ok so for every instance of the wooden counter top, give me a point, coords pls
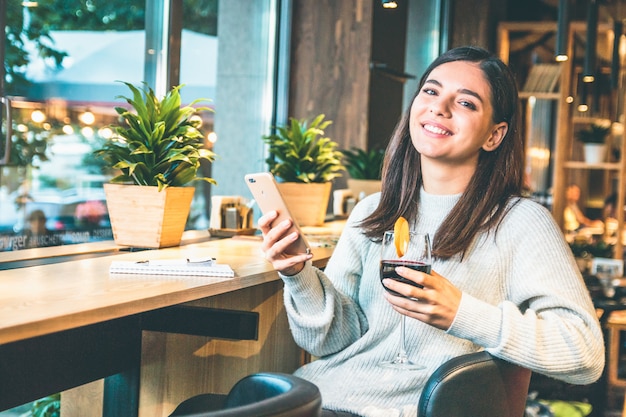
(87, 249)
(45, 299)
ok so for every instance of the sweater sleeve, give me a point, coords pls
(324, 314)
(547, 322)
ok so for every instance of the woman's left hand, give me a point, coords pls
(435, 304)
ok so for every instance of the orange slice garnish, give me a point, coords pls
(401, 236)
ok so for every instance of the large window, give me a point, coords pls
(64, 60)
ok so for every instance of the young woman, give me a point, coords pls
(503, 279)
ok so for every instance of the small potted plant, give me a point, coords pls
(594, 141)
(158, 151)
(49, 406)
(365, 169)
(305, 162)
(585, 251)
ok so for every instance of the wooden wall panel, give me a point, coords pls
(480, 28)
(330, 56)
(83, 401)
(389, 43)
(176, 367)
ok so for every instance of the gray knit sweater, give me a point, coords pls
(523, 300)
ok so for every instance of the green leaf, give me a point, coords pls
(49, 406)
(158, 144)
(299, 152)
(364, 165)
(596, 133)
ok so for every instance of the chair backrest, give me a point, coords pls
(475, 385)
(270, 394)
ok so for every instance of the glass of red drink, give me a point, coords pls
(416, 255)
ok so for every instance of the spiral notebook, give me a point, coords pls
(208, 268)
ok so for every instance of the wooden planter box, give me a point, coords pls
(308, 203)
(365, 187)
(145, 217)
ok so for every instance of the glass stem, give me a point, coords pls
(402, 356)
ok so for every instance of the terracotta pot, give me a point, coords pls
(145, 217)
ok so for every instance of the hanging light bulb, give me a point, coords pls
(560, 53)
(589, 67)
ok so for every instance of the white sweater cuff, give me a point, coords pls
(305, 291)
(477, 321)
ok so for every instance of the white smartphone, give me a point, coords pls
(265, 191)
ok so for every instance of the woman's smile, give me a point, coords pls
(436, 129)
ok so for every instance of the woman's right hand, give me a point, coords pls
(276, 243)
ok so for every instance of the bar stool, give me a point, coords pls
(475, 384)
(266, 394)
(615, 324)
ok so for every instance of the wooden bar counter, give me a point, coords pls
(155, 340)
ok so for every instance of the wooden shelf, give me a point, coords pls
(539, 95)
(587, 120)
(596, 180)
(584, 165)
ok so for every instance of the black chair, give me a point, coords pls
(475, 385)
(471, 385)
(266, 394)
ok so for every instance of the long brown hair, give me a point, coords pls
(498, 176)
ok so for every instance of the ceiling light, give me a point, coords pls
(560, 54)
(389, 4)
(589, 67)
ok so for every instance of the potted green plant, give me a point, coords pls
(158, 151)
(594, 141)
(305, 162)
(49, 406)
(584, 251)
(365, 169)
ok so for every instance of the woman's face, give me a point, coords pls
(451, 117)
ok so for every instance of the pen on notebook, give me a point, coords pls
(179, 262)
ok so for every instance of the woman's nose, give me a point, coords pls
(440, 107)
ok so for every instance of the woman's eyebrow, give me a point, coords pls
(460, 90)
(471, 93)
(431, 81)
